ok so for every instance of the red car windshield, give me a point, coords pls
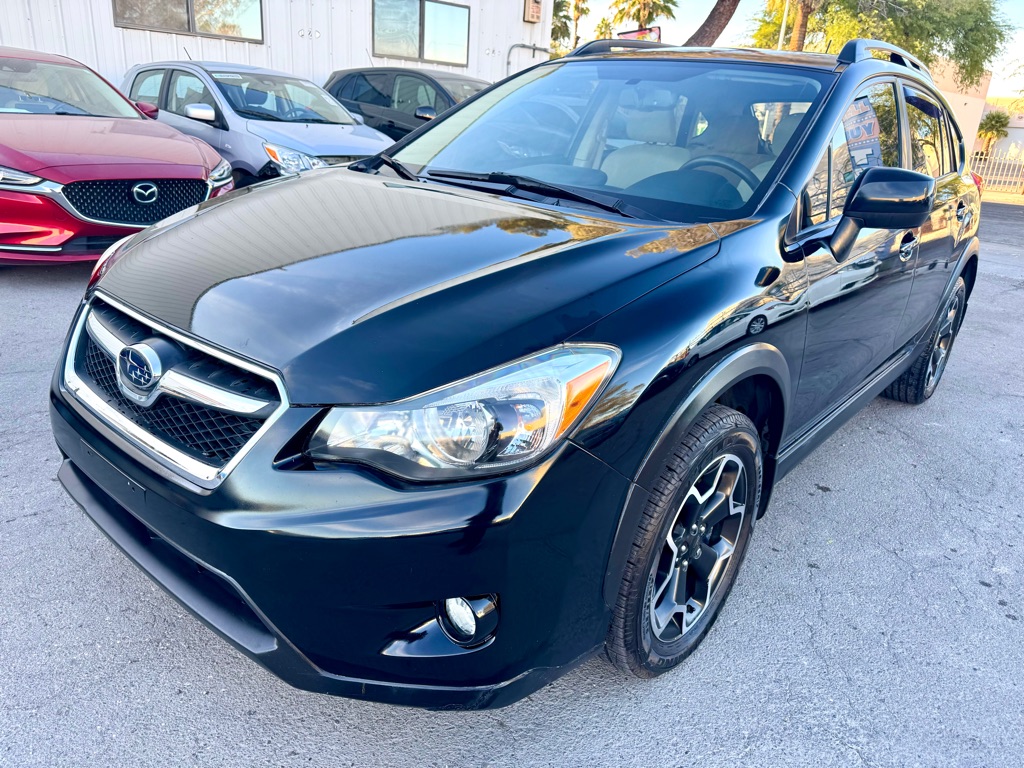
(46, 88)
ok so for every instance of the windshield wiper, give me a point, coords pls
(65, 113)
(259, 115)
(527, 184)
(394, 165)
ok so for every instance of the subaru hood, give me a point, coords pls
(363, 289)
(320, 138)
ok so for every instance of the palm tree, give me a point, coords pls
(603, 30)
(714, 24)
(642, 12)
(993, 127)
(560, 21)
(579, 10)
(804, 9)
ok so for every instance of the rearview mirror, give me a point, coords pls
(203, 112)
(425, 113)
(884, 198)
(149, 110)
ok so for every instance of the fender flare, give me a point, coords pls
(749, 361)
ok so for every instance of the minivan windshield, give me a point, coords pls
(47, 88)
(280, 99)
(680, 139)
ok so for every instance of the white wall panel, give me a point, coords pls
(309, 38)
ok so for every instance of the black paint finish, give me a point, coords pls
(364, 289)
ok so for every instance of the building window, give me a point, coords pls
(428, 30)
(239, 19)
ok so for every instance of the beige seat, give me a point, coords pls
(657, 152)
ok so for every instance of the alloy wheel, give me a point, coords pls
(697, 549)
(943, 341)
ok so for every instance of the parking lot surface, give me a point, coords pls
(878, 620)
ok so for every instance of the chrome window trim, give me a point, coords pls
(55, 192)
(149, 445)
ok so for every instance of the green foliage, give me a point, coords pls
(642, 12)
(603, 31)
(968, 33)
(561, 23)
(993, 127)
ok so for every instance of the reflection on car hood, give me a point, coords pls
(363, 289)
(320, 138)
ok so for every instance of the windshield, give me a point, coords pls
(461, 88)
(283, 99)
(44, 88)
(681, 139)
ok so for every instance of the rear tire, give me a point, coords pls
(919, 381)
(689, 545)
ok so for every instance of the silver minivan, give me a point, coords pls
(264, 123)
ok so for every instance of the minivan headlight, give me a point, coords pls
(493, 422)
(291, 160)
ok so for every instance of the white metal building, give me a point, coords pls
(309, 38)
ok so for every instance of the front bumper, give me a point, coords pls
(330, 579)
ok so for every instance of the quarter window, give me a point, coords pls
(147, 86)
(868, 136)
(241, 19)
(927, 142)
(421, 29)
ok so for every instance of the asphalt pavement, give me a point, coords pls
(878, 620)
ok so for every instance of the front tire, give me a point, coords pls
(689, 545)
(919, 381)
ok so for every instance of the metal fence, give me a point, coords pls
(1000, 171)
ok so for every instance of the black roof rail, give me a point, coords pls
(595, 47)
(861, 48)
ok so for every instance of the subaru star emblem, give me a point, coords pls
(145, 192)
(138, 368)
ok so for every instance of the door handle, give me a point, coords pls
(907, 247)
(961, 213)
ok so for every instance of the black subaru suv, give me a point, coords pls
(433, 428)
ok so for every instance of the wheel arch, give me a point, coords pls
(970, 273)
(754, 380)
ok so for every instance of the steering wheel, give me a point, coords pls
(297, 111)
(726, 163)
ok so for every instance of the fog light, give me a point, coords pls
(469, 621)
(461, 616)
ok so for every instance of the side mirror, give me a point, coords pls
(149, 110)
(884, 198)
(358, 118)
(425, 113)
(203, 112)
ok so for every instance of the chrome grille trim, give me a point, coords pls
(151, 447)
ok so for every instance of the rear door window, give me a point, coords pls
(925, 121)
(147, 85)
(372, 88)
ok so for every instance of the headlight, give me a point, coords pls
(489, 423)
(11, 176)
(291, 160)
(221, 174)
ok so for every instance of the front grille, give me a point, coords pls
(112, 200)
(202, 432)
(340, 159)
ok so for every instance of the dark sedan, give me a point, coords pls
(435, 428)
(397, 100)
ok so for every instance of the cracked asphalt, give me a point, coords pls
(878, 620)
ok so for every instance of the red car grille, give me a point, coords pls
(118, 200)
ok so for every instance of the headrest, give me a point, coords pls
(732, 135)
(784, 131)
(254, 97)
(654, 127)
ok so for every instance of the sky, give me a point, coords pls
(691, 13)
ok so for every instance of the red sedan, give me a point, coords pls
(82, 167)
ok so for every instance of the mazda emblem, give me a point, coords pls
(145, 192)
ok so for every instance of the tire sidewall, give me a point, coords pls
(653, 654)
